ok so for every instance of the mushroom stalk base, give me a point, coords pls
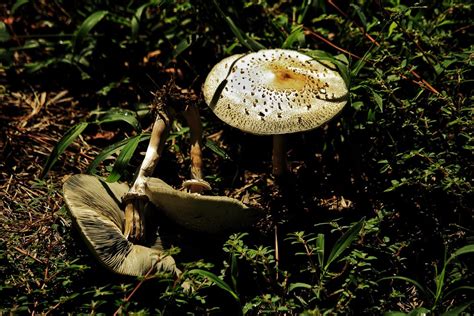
(280, 164)
(136, 198)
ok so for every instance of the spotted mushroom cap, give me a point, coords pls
(95, 208)
(274, 91)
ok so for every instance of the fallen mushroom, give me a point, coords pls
(203, 213)
(95, 208)
(135, 199)
(275, 92)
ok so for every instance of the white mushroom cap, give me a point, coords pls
(274, 91)
(95, 207)
(211, 214)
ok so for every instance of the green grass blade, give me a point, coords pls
(299, 285)
(358, 65)
(110, 150)
(234, 271)
(183, 45)
(344, 242)
(135, 22)
(296, 35)
(4, 34)
(86, 27)
(63, 143)
(459, 288)
(123, 159)
(425, 291)
(18, 4)
(457, 310)
(320, 249)
(340, 61)
(217, 281)
(243, 38)
(361, 15)
(114, 115)
(415, 312)
(461, 251)
(214, 147)
(304, 10)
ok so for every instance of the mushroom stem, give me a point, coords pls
(196, 184)
(159, 133)
(280, 164)
(135, 199)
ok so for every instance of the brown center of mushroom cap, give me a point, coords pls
(274, 92)
(287, 79)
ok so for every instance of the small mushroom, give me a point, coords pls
(275, 92)
(95, 208)
(203, 213)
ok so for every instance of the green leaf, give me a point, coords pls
(420, 311)
(459, 288)
(135, 23)
(344, 242)
(4, 34)
(304, 9)
(18, 4)
(427, 292)
(361, 15)
(86, 27)
(123, 159)
(457, 310)
(296, 35)
(298, 285)
(234, 271)
(217, 281)
(215, 148)
(182, 46)
(339, 61)
(320, 249)
(391, 28)
(116, 114)
(461, 251)
(378, 100)
(63, 143)
(357, 105)
(110, 150)
(358, 65)
(243, 38)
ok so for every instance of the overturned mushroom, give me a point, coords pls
(275, 92)
(211, 214)
(95, 208)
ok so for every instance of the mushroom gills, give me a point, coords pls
(96, 210)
